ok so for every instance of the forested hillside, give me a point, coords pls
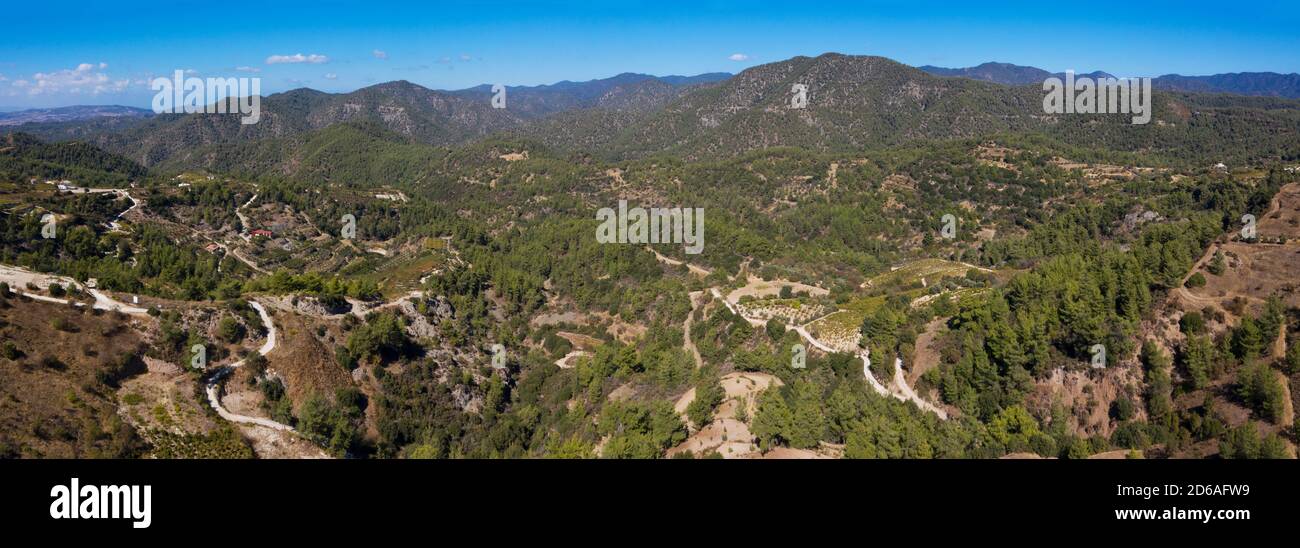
(910, 267)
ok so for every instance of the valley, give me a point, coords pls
(399, 272)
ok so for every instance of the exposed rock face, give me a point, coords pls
(312, 306)
(424, 326)
(1137, 218)
(155, 365)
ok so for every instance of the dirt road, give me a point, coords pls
(214, 398)
(901, 391)
(900, 383)
(18, 277)
(687, 343)
(696, 270)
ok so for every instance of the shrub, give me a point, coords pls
(1192, 323)
(230, 330)
(9, 351)
(256, 364)
(51, 362)
(64, 325)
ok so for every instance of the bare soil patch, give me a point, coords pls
(726, 435)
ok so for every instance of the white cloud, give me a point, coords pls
(738, 57)
(191, 72)
(465, 57)
(87, 78)
(297, 58)
(444, 60)
(331, 76)
(248, 69)
(379, 54)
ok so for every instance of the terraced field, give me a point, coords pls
(840, 329)
(914, 279)
(919, 274)
(791, 311)
(407, 270)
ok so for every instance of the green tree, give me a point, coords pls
(1197, 356)
(808, 419)
(572, 448)
(1216, 265)
(1258, 385)
(230, 330)
(382, 335)
(1159, 387)
(1292, 362)
(1241, 442)
(775, 329)
(773, 422)
(742, 409)
(708, 395)
(1192, 323)
(1248, 339)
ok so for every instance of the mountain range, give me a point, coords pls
(69, 114)
(1005, 73)
(627, 91)
(633, 92)
(1270, 84)
(853, 102)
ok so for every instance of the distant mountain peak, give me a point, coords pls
(623, 91)
(1270, 84)
(621, 78)
(71, 114)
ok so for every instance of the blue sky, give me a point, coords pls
(56, 53)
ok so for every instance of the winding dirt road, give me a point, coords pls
(114, 225)
(1183, 292)
(19, 277)
(900, 382)
(243, 221)
(213, 388)
(871, 379)
(901, 391)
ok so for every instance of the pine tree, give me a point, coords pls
(842, 408)
(808, 419)
(1156, 363)
(1247, 339)
(1259, 386)
(773, 422)
(1197, 355)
